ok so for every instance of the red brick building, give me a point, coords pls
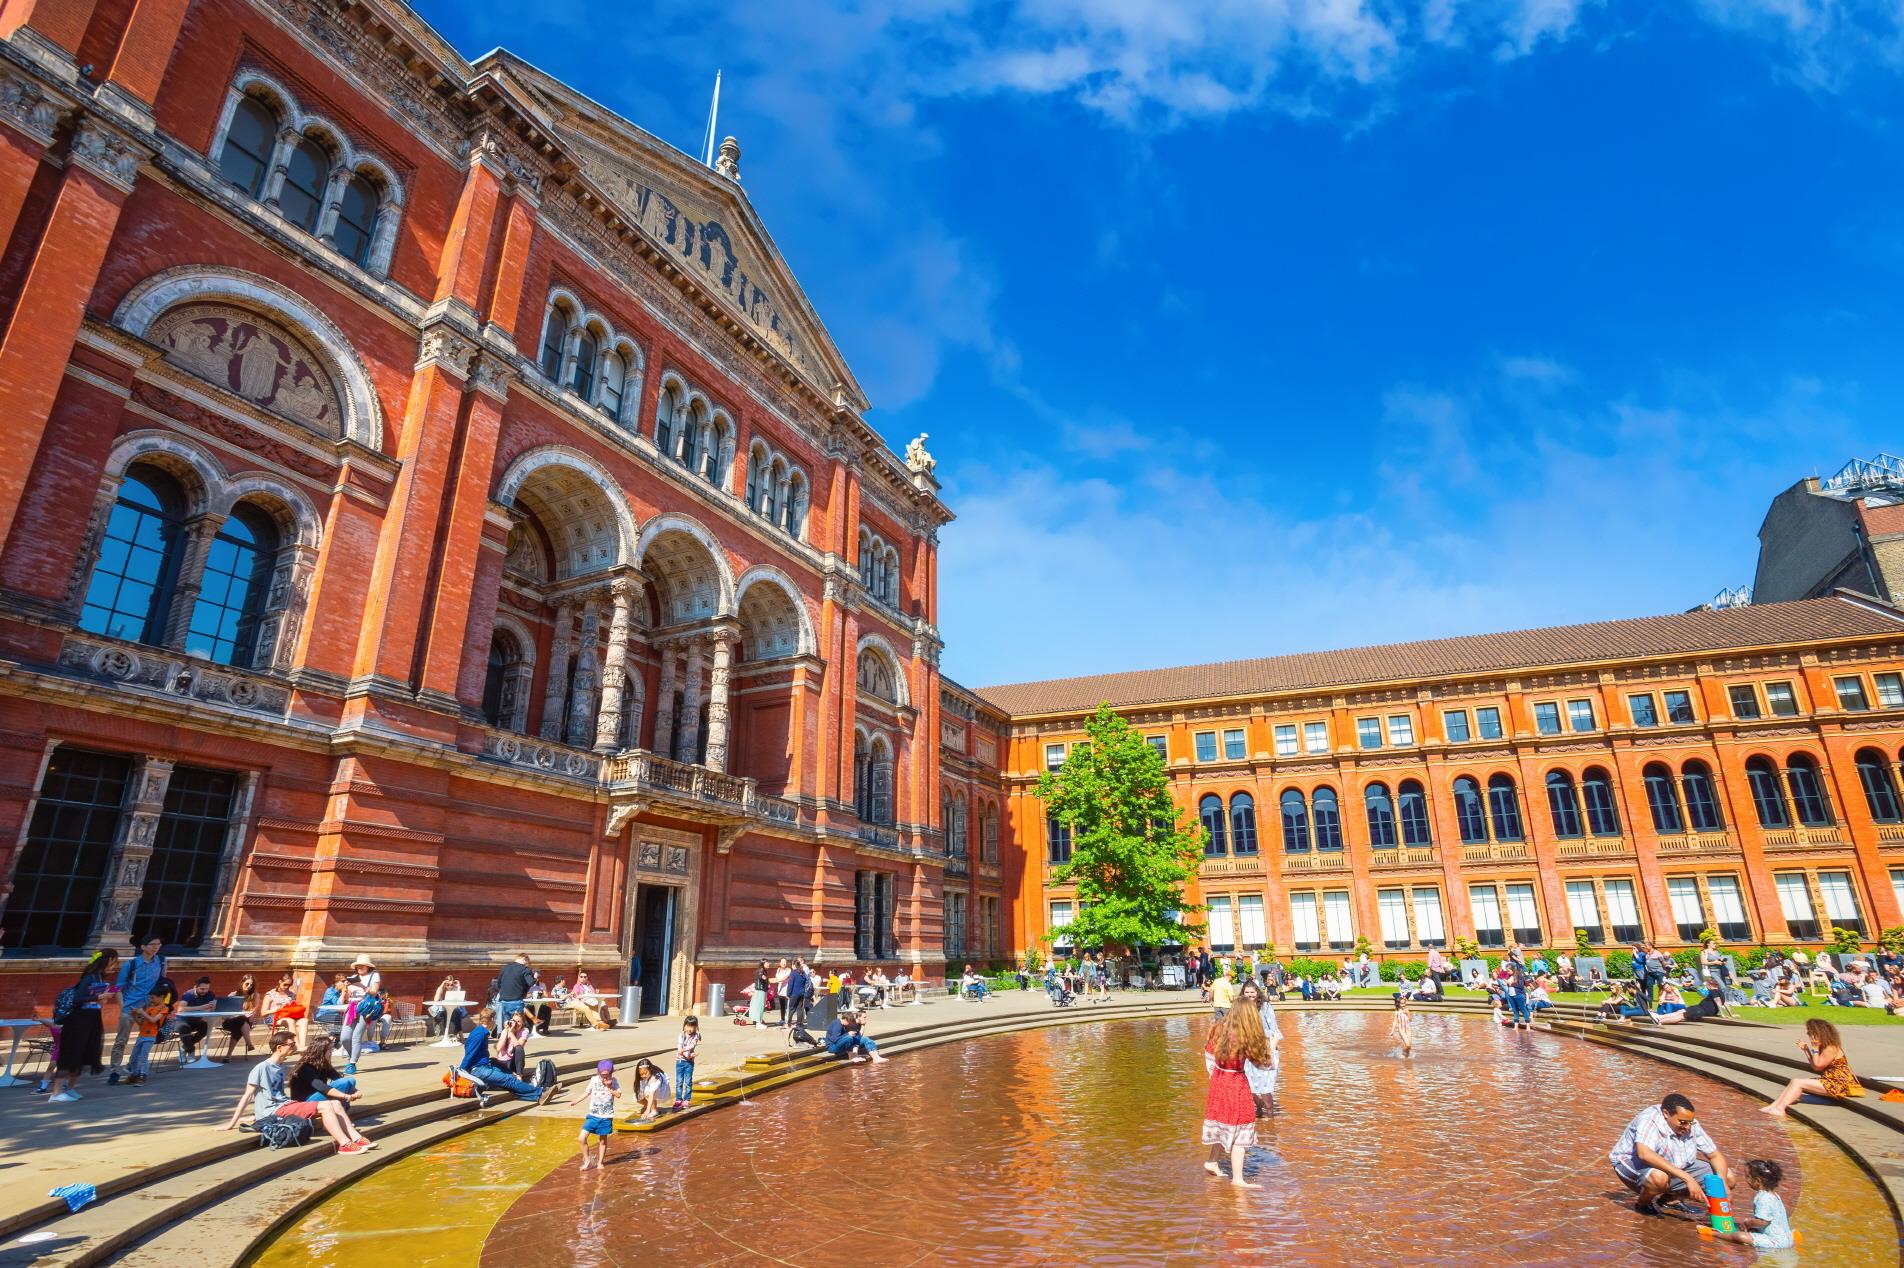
(435, 524)
(1736, 769)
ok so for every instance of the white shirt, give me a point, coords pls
(1650, 1128)
(1875, 995)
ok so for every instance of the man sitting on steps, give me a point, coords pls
(267, 1092)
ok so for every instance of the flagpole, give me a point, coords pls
(713, 118)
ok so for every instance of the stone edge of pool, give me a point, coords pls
(1871, 1135)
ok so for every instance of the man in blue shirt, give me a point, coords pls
(844, 1037)
(794, 995)
(137, 977)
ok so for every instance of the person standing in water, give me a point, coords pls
(1229, 1111)
(1401, 1028)
(1262, 1079)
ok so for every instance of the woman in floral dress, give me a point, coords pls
(1229, 1111)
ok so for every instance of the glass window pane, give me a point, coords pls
(1249, 919)
(1392, 904)
(1295, 815)
(1429, 929)
(301, 197)
(1522, 915)
(1596, 790)
(1233, 745)
(1745, 701)
(1851, 694)
(1580, 715)
(1563, 806)
(1304, 925)
(1486, 906)
(1414, 815)
(1381, 816)
(1286, 740)
(1678, 707)
(1206, 746)
(1505, 808)
(1315, 737)
(1054, 756)
(1781, 699)
(1338, 920)
(1643, 711)
(1243, 823)
(1890, 690)
(1623, 907)
(1454, 723)
(356, 220)
(1401, 730)
(1487, 721)
(1841, 899)
(63, 860)
(1328, 820)
(1210, 814)
(248, 144)
(1222, 928)
(1547, 718)
(1682, 893)
(1368, 732)
(1728, 907)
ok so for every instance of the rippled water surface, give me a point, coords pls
(1080, 1144)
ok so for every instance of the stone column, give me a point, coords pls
(131, 852)
(664, 707)
(688, 749)
(280, 166)
(587, 674)
(556, 683)
(615, 672)
(717, 702)
(198, 532)
(224, 892)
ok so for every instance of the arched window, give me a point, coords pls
(1295, 823)
(1808, 794)
(690, 443)
(1702, 799)
(1470, 811)
(1768, 793)
(1880, 790)
(587, 348)
(612, 378)
(1328, 819)
(555, 337)
(356, 220)
(756, 458)
(1413, 804)
(876, 676)
(1662, 798)
(1243, 823)
(130, 590)
(711, 460)
(1381, 816)
(505, 659)
(862, 779)
(1563, 804)
(1210, 811)
(1603, 815)
(664, 427)
(794, 522)
(248, 144)
(237, 578)
(988, 835)
(301, 197)
(1504, 805)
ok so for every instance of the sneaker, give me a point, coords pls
(350, 1067)
(63, 1097)
(135, 1080)
(548, 1094)
(354, 1147)
(112, 1078)
(371, 1047)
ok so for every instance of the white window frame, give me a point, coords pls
(1287, 745)
(1401, 730)
(1198, 741)
(1315, 737)
(1430, 928)
(1241, 737)
(1392, 906)
(1250, 929)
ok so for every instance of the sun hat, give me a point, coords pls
(362, 960)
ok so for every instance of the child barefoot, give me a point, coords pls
(600, 1092)
(684, 1061)
(1767, 1227)
(650, 1088)
(1402, 1028)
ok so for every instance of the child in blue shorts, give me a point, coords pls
(599, 1124)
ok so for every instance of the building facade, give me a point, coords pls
(1735, 769)
(434, 524)
(1843, 532)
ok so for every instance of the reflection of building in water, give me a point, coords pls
(1733, 769)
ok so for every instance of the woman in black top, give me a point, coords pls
(82, 1032)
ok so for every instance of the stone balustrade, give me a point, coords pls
(1828, 837)
(1393, 858)
(1683, 843)
(165, 672)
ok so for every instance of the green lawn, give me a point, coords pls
(1770, 1016)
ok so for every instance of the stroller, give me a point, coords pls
(1061, 996)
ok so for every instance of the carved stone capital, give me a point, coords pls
(107, 153)
(27, 106)
(502, 155)
(447, 349)
(492, 376)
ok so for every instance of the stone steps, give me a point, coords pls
(223, 1183)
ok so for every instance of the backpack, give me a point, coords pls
(369, 1008)
(545, 1073)
(282, 1132)
(801, 1035)
(458, 1085)
(65, 1004)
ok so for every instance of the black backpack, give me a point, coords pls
(545, 1073)
(282, 1132)
(801, 1035)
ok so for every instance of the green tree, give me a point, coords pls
(1132, 852)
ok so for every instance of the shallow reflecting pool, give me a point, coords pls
(1079, 1144)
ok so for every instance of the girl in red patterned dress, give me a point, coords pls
(1229, 1111)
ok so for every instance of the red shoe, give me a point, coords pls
(354, 1147)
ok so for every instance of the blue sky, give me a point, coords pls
(1251, 326)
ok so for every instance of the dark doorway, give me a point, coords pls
(654, 945)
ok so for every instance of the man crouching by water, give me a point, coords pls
(1665, 1153)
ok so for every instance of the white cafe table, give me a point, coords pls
(19, 1026)
(434, 1006)
(204, 1061)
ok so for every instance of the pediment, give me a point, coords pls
(700, 221)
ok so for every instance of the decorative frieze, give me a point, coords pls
(171, 673)
(536, 755)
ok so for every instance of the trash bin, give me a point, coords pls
(630, 1006)
(716, 998)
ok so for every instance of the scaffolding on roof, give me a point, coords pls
(1861, 476)
(1735, 597)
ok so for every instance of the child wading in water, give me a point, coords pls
(1767, 1227)
(599, 1123)
(1402, 1028)
(684, 1061)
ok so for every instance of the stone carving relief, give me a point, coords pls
(693, 238)
(171, 673)
(253, 358)
(918, 461)
(554, 759)
(524, 558)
